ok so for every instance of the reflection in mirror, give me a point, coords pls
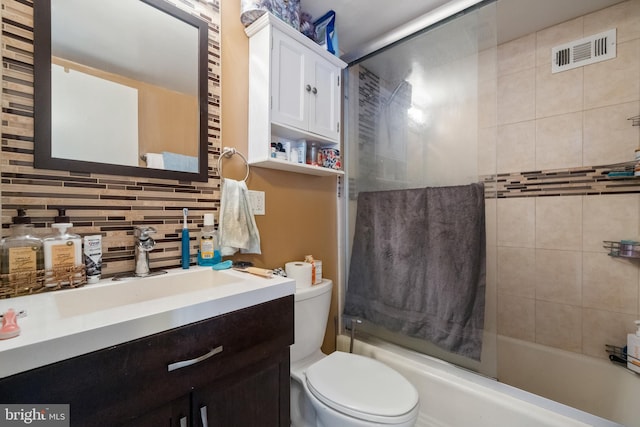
(120, 88)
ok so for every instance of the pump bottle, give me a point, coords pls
(62, 251)
(21, 251)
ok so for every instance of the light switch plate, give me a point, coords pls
(257, 202)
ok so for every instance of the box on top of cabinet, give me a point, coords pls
(286, 10)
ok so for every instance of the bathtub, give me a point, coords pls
(454, 397)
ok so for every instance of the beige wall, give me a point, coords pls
(300, 209)
(556, 286)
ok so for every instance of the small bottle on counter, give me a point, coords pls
(21, 251)
(62, 250)
(209, 252)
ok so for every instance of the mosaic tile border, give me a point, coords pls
(99, 204)
(580, 181)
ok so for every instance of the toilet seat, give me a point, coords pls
(362, 388)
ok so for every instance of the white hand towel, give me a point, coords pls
(155, 160)
(237, 226)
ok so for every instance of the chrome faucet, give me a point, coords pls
(144, 245)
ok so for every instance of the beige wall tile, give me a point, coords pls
(516, 96)
(487, 150)
(517, 55)
(559, 325)
(516, 271)
(491, 274)
(558, 276)
(516, 222)
(622, 16)
(487, 103)
(609, 283)
(516, 317)
(559, 223)
(490, 220)
(556, 35)
(515, 147)
(558, 93)
(609, 136)
(609, 217)
(559, 141)
(604, 327)
(614, 81)
(488, 64)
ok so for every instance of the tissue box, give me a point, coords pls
(287, 10)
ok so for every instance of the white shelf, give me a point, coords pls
(296, 167)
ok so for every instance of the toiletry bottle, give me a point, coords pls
(209, 254)
(312, 154)
(21, 251)
(633, 349)
(62, 252)
(93, 257)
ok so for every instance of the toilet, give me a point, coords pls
(341, 389)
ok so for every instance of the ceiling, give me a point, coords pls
(359, 22)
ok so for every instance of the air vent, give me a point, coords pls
(589, 50)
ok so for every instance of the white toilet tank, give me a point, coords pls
(311, 313)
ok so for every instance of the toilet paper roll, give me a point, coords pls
(299, 271)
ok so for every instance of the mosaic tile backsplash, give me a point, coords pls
(99, 204)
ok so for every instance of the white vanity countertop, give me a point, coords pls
(63, 324)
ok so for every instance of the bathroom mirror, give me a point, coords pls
(120, 88)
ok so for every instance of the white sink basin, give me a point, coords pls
(90, 299)
(64, 324)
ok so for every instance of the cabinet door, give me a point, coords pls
(172, 414)
(324, 100)
(257, 396)
(289, 95)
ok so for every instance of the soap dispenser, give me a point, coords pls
(62, 251)
(21, 251)
(633, 349)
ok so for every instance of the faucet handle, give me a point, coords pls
(143, 233)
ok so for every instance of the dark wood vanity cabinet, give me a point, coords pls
(244, 382)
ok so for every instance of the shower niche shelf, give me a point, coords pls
(619, 356)
(623, 249)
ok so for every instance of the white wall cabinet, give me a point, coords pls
(294, 93)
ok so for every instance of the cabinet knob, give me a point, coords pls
(314, 90)
(308, 88)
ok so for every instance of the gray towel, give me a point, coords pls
(418, 265)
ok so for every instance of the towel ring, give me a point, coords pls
(228, 152)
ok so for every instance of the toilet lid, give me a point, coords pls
(361, 387)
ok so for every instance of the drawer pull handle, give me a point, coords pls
(203, 416)
(185, 363)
